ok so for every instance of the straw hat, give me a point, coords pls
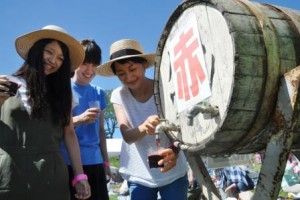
(76, 51)
(122, 49)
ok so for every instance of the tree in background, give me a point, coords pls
(110, 121)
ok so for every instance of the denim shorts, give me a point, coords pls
(178, 189)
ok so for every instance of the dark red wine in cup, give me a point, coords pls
(153, 161)
(13, 87)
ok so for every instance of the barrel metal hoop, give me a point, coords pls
(294, 23)
(291, 16)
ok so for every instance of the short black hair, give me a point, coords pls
(126, 60)
(92, 52)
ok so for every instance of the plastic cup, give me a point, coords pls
(153, 161)
(154, 157)
(13, 87)
(94, 104)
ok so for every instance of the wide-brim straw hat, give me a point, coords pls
(121, 49)
(76, 51)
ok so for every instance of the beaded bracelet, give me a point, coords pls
(78, 178)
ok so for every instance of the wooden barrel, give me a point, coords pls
(224, 56)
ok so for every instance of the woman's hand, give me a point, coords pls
(87, 117)
(90, 115)
(83, 190)
(3, 88)
(149, 124)
(169, 159)
(108, 173)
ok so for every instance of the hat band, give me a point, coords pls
(124, 52)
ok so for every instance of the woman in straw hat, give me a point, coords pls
(137, 117)
(35, 120)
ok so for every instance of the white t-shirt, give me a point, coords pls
(133, 158)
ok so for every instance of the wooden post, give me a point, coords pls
(207, 187)
(278, 148)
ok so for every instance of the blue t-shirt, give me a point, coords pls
(87, 134)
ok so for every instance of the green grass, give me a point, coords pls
(113, 197)
(114, 161)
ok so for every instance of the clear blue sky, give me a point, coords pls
(104, 21)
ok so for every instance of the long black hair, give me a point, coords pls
(47, 92)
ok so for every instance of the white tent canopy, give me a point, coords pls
(114, 146)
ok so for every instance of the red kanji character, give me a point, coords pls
(196, 72)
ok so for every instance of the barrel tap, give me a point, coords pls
(162, 127)
(200, 108)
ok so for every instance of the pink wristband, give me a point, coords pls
(78, 178)
(107, 164)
